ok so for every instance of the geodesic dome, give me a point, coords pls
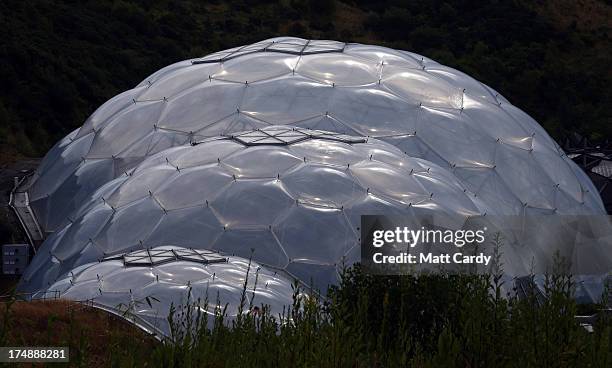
(290, 198)
(427, 110)
(142, 286)
(278, 147)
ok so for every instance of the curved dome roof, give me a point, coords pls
(427, 110)
(294, 204)
(143, 285)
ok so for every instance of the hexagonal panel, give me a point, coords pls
(251, 203)
(315, 235)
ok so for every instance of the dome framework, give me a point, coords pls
(425, 109)
(274, 150)
(293, 206)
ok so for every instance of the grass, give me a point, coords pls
(366, 321)
(95, 338)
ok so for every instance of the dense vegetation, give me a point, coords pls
(59, 60)
(395, 321)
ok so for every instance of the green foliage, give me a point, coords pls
(59, 60)
(369, 321)
(398, 321)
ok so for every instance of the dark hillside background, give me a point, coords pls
(59, 60)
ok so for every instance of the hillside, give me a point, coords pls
(59, 60)
(95, 338)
